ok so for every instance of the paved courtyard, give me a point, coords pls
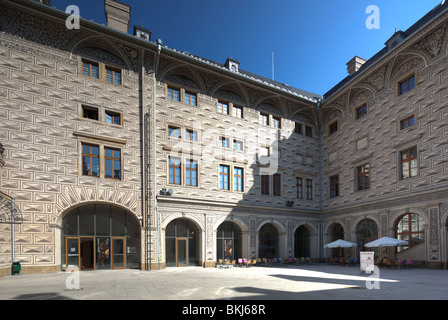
(308, 282)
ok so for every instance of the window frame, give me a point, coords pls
(408, 160)
(236, 114)
(365, 172)
(309, 131)
(221, 105)
(238, 179)
(102, 146)
(309, 189)
(223, 175)
(361, 111)
(173, 128)
(407, 119)
(90, 63)
(221, 143)
(113, 159)
(173, 165)
(333, 127)
(334, 186)
(262, 117)
(277, 184)
(407, 81)
(113, 114)
(265, 184)
(299, 187)
(409, 231)
(276, 122)
(188, 95)
(114, 71)
(191, 170)
(172, 93)
(298, 128)
(90, 156)
(85, 107)
(191, 135)
(237, 142)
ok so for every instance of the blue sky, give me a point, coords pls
(312, 40)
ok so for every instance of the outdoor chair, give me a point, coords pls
(228, 263)
(308, 260)
(240, 262)
(220, 263)
(245, 262)
(408, 263)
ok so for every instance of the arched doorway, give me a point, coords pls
(228, 241)
(268, 242)
(100, 236)
(366, 231)
(336, 232)
(302, 242)
(182, 243)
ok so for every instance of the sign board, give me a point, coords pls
(366, 259)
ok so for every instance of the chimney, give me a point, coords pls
(355, 64)
(118, 15)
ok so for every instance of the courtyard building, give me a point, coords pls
(119, 152)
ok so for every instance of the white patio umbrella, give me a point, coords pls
(386, 242)
(340, 244)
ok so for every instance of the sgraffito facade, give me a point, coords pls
(123, 153)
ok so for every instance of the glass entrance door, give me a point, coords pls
(182, 252)
(87, 253)
(80, 253)
(118, 253)
(72, 253)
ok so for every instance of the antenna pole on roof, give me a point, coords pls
(272, 65)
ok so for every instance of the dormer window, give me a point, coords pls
(232, 64)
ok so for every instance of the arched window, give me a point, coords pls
(410, 228)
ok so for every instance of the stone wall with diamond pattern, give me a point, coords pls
(41, 128)
(377, 139)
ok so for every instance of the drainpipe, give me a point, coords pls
(321, 235)
(12, 230)
(154, 115)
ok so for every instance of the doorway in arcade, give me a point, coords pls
(100, 236)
